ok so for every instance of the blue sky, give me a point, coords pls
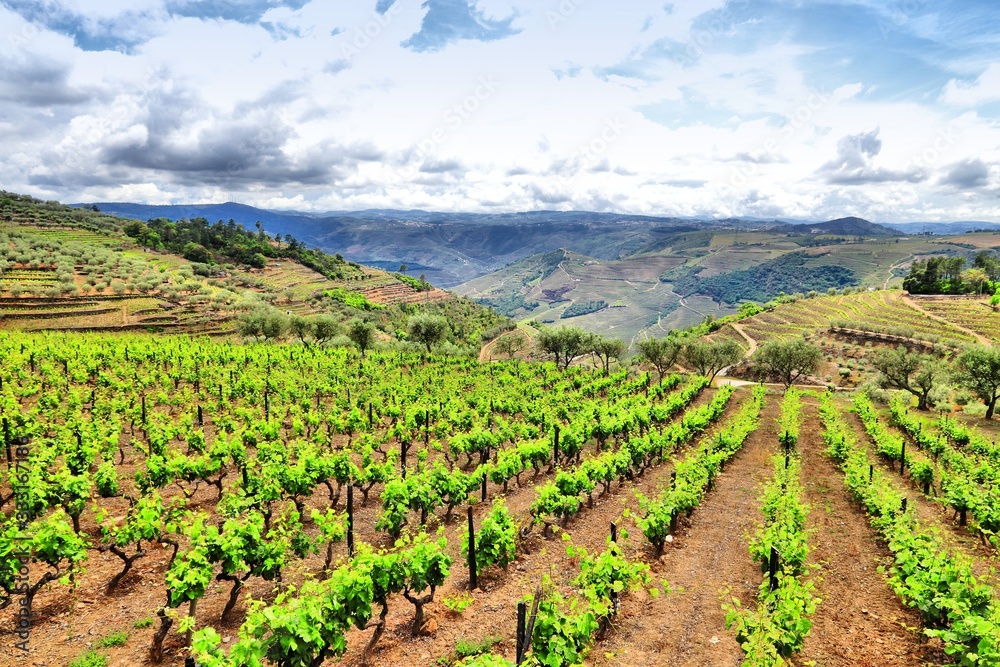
(886, 110)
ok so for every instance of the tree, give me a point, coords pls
(564, 343)
(361, 333)
(250, 325)
(661, 352)
(301, 328)
(710, 357)
(989, 263)
(909, 371)
(605, 350)
(196, 252)
(510, 344)
(976, 278)
(325, 327)
(978, 370)
(274, 325)
(788, 359)
(427, 329)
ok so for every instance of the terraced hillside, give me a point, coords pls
(68, 268)
(880, 311)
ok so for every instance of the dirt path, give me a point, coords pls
(860, 621)
(982, 340)
(750, 340)
(687, 626)
(493, 613)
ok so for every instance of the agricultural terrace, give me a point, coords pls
(974, 314)
(56, 277)
(880, 311)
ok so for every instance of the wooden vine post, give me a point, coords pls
(772, 569)
(473, 583)
(555, 445)
(519, 651)
(350, 520)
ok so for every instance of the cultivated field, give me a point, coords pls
(173, 485)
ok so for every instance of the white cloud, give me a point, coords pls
(353, 119)
(986, 88)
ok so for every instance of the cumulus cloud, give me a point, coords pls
(854, 164)
(38, 81)
(985, 88)
(967, 175)
(432, 166)
(121, 27)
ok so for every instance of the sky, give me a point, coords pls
(774, 108)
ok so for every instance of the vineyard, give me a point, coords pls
(880, 311)
(288, 505)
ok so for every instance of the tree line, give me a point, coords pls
(948, 275)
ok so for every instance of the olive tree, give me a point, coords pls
(564, 343)
(661, 352)
(427, 329)
(978, 370)
(788, 360)
(605, 350)
(361, 333)
(910, 371)
(709, 357)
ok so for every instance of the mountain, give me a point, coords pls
(448, 248)
(943, 228)
(849, 226)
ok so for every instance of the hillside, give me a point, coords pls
(450, 248)
(71, 268)
(692, 272)
(849, 226)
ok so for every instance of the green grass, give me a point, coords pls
(90, 659)
(114, 639)
(143, 623)
(468, 647)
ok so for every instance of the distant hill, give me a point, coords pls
(849, 226)
(943, 228)
(449, 248)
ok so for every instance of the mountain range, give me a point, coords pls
(453, 248)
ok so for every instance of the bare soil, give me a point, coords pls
(860, 621)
